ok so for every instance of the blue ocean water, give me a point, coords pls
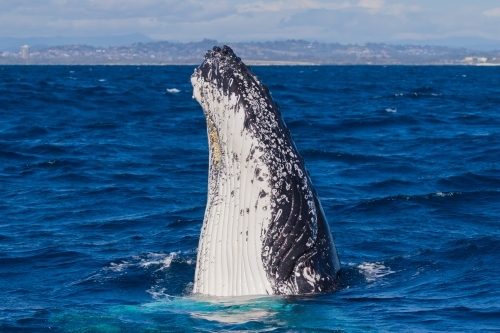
(103, 176)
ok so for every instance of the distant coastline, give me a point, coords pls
(253, 63)
(249, 63)
(278, 53)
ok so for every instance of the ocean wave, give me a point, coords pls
(462, 254)
(377, 122)
(391, 183)
(374, 271)
(466, 248)
(149, 273)
(10, 155)
(435, 198)
(103, 190)
(44, 149)
(73, 176)
(24, 132)
(115, 222)
(46, 257)
(102, 125)
(159, 261)
(425, 89)
(98, 90)
(473, 181)
(412, 95)
(345, 157)
(137, 177)
(278, 87)
(52, 164)
(46, 164)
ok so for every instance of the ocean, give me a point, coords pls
(103, 184)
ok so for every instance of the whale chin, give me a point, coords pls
(264, 231)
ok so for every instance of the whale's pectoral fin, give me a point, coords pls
(317, 269)
(289, 238)
(326, 246)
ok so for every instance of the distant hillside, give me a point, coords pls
(278, 52)
(13, 44)
(472, 43)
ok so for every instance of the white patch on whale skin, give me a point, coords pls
(229, 254)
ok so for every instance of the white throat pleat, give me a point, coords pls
(229, 254)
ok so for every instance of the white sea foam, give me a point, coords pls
(161, 259)
(173, 90)
(441, 194)
(233, 310)
(155, 264)
(391, 110)
(374, 271)
(158, 293)
(118, 267)
(234, 317)
(102, 80)
(238, 310)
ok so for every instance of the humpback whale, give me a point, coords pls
(264, 230)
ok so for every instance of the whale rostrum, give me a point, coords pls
(264, 230)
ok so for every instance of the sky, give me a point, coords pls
(355, 21)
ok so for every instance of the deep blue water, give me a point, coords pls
(103, 176)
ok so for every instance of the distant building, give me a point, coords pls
(25, 52)
(471, 60)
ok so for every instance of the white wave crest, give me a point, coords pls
(173, 90)
(157, 292)
(161, 259)
(445, 194)
(114, 267)
(374, 271)
(154, 265)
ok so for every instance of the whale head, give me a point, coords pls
(222, 73)
(264, 231)
(224, 86)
